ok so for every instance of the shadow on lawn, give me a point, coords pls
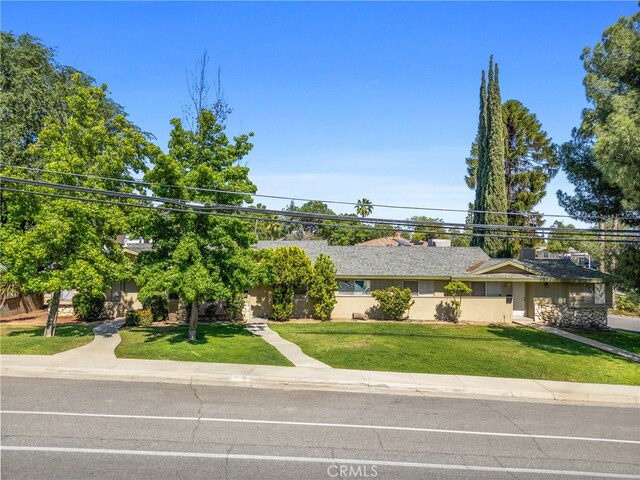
(61, 331)
(546, 342)
(179, 334)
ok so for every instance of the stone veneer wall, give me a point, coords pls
(571, 317)
(114, 310)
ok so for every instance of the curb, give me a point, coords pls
(362, 382)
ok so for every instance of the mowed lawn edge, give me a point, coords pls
(492, 351)
(30, 340)
(629, 341)
(216, 343)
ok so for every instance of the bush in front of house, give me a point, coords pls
(158, 303)
(322, 291)
(286, 269)
(394, 302)
(234, 306)
(139, 318)
(88, 306)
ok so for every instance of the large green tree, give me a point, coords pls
(530, 162)
(200, 257)
(34, 87)
(491, 198)
(612, 84)
(49, 244)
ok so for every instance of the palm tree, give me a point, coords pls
(364, 207)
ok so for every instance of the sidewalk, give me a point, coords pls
(97, 361)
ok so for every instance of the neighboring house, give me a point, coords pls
(582, 259)
(553, 291)
(398, 241)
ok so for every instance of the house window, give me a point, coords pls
(354, 287)
(478, 289)
(411, 285)
(589, 293)
(426, 288)
(494, 289)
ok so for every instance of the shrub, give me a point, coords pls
(287, 269)
(88, 306)
(457, 289)
(139, 318)
(394, 302)
(628, 303)
(234, 307)
(158, 303)
(282, 303)
(131, 318)
(323, 287)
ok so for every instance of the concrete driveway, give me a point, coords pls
(624, 323)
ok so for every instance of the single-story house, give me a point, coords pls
(554, 291)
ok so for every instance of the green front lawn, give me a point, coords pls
(29, 340)
(626, 340)
(461, 350)
(218, 343)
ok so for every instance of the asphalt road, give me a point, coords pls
(73, 429)
(625, 323)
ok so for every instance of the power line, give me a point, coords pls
(296, 222)
(336, 202)
(319, 216)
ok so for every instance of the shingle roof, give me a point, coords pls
(463, 262)
(138, 247)
(562, 268)
(359, 261)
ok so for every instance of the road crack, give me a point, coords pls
(201, 405)
(535, 441)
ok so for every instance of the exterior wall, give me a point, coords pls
(570, 317)
(122, 296)
(474, 309)
(567, 305)
(22, 304)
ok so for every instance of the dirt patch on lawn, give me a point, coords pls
(39, 318)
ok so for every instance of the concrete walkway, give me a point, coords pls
(103, 345)
(290, 350)
(587, 341)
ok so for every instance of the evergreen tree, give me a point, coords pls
(530, 163)
(491, 193)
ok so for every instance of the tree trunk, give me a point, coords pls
(193, 321)
(50, 329)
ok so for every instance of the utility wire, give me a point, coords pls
(336, 202)
(319, 216)
(296, 222)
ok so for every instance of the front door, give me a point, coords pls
(518, 299)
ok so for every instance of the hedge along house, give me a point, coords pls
(552, 291)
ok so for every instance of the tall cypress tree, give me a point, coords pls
(481, 141)
(491, 194)
(495, 195)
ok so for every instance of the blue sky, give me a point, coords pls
(346, 100)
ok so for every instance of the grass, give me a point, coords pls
(492, 351)
(219, 343)
(629, 341)
(29, 340)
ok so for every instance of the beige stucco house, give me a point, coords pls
(554, 291)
